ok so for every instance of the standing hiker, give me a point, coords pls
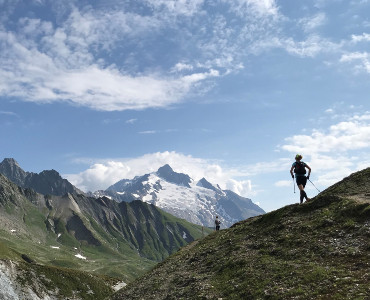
(217, 223)
(299, 168)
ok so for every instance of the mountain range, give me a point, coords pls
(64, 228)
(197, 202)
(72, 246)
(48, 182)
(176, 193)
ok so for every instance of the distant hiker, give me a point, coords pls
(299, 168)
(217, 223)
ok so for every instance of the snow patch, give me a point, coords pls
(148, 198)
(119, 286)
(184, 236)
(80, 256)
(54, 247)
(13, 230)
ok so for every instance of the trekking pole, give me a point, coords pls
(293, 186)
(314, 185)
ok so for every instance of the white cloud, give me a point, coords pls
(100, 175)
(353, 134)
(37, 77)
(335, 152)
(311, 23)
(42, 64)
(311, 46)
(261, 7)
(86, 59)
(242, 187)
(182, 66)
(148, 132)
(9, 113)
(177, 7)
(362, 57)
(361, 38)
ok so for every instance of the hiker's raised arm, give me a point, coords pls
(309, 171)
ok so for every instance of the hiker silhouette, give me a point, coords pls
(217, 223)
(299, 168)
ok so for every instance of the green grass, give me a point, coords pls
(65, 283)
(319, 250)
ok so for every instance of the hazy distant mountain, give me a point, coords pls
(47, 182)
(198, 202)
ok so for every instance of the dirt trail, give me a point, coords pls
(361, 198)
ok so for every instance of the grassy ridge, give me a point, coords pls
(318, 250)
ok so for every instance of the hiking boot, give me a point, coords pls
(308, 199)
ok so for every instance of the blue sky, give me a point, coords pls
(227, 90)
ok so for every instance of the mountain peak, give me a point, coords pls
(10, 162)
(165, 169)
(46, 182)
(11, 169)
(168, 174)
(206, 184)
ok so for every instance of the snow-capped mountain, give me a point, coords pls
(198, 202)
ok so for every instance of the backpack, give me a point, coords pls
(299, 168)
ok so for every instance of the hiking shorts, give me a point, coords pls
(301, 180)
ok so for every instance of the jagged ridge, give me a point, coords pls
(48, 182)
(135, 235)
(179, 195)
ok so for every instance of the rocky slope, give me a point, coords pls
(95, 235)
(317, 250)
(197, 202)
(48, 182)
(28, 281)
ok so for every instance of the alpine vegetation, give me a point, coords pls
(315, 250)
(73, 246)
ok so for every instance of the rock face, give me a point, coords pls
(136, 234)
(47, 182)
(11, 169)
(317, 250)
(169, 175)
(197, 202)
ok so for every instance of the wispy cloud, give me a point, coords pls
(148, 132)
(360, 59)
(9, 113)
(110, 59)
(46, 64)
(312, 23)
(158, 131)
(131, 121)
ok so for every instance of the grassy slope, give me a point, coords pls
(61, 282)
(318, 250)
(116, 255)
